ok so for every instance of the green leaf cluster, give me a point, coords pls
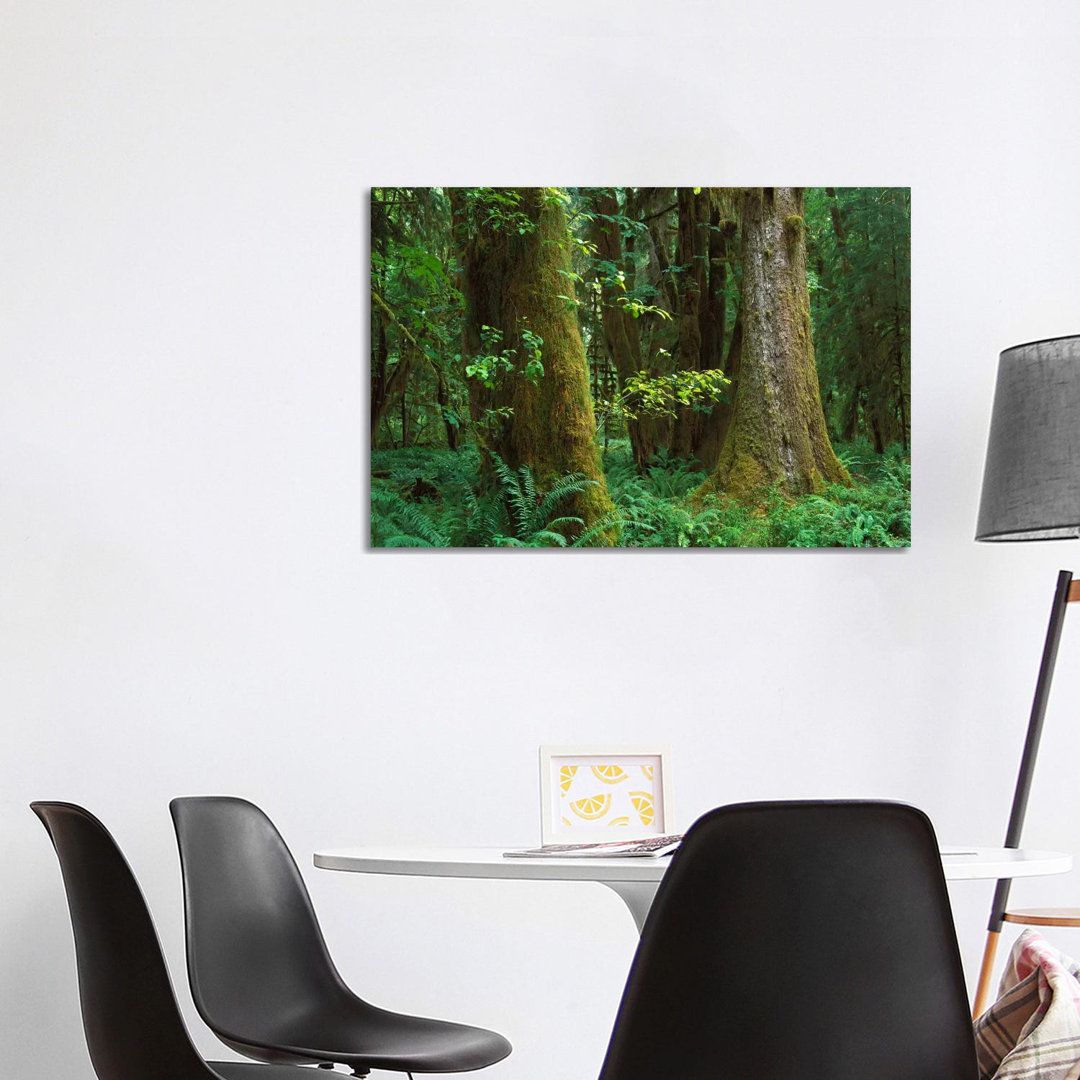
(489, 366)
(650, 395)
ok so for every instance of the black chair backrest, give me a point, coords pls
(255, 951)
(798, 941)
(132, 1022)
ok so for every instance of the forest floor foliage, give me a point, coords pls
(423, 497)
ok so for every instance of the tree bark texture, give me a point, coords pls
(512, 280)
(379, 361)
(714, 305)
(716, 424)
(387, 383)
(620, 330)
(692, 255)
(713, 425)
(838, 229)
(442, 398)
(777, 434)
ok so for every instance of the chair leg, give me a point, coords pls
(982, 992)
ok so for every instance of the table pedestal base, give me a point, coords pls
(637, 896)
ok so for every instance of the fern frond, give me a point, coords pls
(522, 510)
(563, 489)
(564, 522)
(504, 474)
(608, 521)
(408, 521)
(511, 493)
(528, 498)
(546, 538)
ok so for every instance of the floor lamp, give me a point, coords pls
(1031, 491)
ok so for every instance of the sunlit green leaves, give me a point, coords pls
(492, 364)
(649, 395)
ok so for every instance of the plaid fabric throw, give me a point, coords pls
(1032, 1031)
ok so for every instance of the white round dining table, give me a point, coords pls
(636, 879)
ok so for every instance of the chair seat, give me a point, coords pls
(364, 1037)
(245, 1070)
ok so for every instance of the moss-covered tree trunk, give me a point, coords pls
(621, 332)
(516, 260)
(714, 423)
(692, 257)
(660, 336)
(777, 433)
(718, 421)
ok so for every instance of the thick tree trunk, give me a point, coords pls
(513, 276)
(620, 330)
(718, 421)
(692, 256)
(380, 355)
(652, 207)
(777, 433)
(442, 398)
(714, 306)
(387, 383)
(849, 428)
(838, 229)
(404, 417)
(713, 425)
(656, 206)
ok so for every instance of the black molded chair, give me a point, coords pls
(133, 1026)
(260, 972)
(798, 941)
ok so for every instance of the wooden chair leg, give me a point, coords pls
(982, 992)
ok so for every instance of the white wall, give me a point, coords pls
(187, 605)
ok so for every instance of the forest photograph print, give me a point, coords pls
(640, 367)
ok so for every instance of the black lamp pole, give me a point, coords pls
(1023, 780)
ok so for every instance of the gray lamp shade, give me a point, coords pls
(1031, 485)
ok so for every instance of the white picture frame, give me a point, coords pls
(590, 794)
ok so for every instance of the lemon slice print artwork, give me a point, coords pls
(609, 774)
(566, 777)
(592, 808)
(643, 804)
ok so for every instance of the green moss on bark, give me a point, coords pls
(512, 282)
(777, 435)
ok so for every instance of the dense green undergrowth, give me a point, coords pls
(434, 498)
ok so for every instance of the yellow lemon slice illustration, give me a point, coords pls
(619, 821)
(609, 774)
(646, 771)
(643, 804)
(566, 777)
(591, 808)
(567, 821)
